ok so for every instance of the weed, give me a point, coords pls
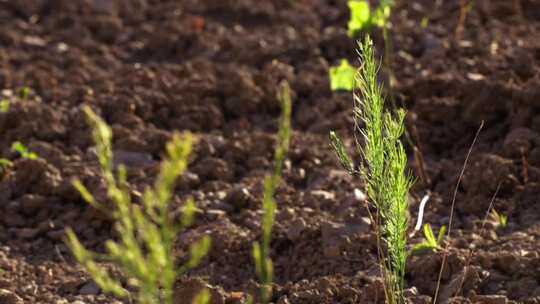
(499, 218)
(4, 106)
(18, 147)
(146, 233)
(342, 76)
(430, 242)
(383, 168)
(261, 251)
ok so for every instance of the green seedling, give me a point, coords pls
(261, 250)
(383, 168)
(430, 242)
(18, 147)
(342, 76)
(146, 232)
(202, 298)
(24, 93)
(362, 17)
(5, 163)
(499, 218)
(4, 106)
(424, 23)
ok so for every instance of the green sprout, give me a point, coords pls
(24, 93)
(363, 18)
(4, 162)
(4, 106)
(342, 76)
(430, 242)
(18, 147)
(383, 169)
(4, 165)
(261, 250)
(202, 298)
(146, 232)
(424, 23)
(499, 218)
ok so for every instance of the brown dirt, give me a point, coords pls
(212, 67)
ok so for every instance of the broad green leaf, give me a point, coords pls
(360, 17)
(342, 76)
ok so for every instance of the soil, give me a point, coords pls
(212, 67)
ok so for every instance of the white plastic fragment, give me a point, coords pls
(425, 199)
(359, 195)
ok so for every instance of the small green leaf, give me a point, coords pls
(4, 106)
(5, 163)
(381, 15)
(500, 218)
(442, 231)
(197, 251)
(424, 22)
(428, 234)
(18, 147)
(360, 17)
(202, 297)
(24, 92)
(342, 76)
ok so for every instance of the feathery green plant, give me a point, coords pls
(499, 218)
(146, 233)
(342, 76)
(18, 147)
(430, 242)
(383, 168)
(261, 250)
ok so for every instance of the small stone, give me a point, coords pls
(215, 213)
(8, 297)
(325, 195)
(490, 299)
(410, 292)
(89, 288)
(332, 252)
(31, 203)
(186, 291)
(294, 232)
(132, 159)
(69, 287)
(56, 235)
(239, 197)
(283, 300)
(26, 233)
